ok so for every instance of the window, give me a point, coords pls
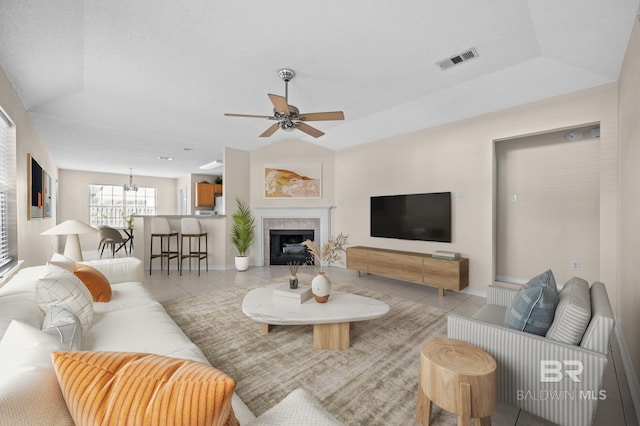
(5, 124)
(111, 205)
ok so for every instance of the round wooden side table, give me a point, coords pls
(458, 377)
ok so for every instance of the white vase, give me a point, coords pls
(242, 263)
(321, 288)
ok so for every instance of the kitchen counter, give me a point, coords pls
(214, 226)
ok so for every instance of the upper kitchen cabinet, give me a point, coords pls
(206, 192)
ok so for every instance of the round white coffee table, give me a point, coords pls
(331, 321)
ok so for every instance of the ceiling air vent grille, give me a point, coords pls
(458, 59)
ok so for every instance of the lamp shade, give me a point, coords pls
(71, 228)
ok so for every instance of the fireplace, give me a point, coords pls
(287, 218)
(285, 245)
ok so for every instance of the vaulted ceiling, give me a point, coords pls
(118, 84)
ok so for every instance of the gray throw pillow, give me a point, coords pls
(534, 306)
(545, 279)
(60, 323)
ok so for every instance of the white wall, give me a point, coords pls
(459, 157)
(556, 185)
(629, 206)
(236, 181)
(33, 248)
(292, 151)
(288, 152)
(184, 183)
(74, 196)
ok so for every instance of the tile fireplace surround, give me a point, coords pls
(267, 218)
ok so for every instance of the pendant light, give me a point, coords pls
(131, 186)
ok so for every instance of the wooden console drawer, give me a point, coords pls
(419, 268)
(389, 264)
(449, 274)
(358, 259)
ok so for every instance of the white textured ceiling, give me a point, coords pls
(116, 84)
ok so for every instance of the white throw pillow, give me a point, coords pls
(24, 347)
(21, 307)
(62, 288)
(62, 324)
(63, 262)
(29, 390)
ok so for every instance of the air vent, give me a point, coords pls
(458, 59)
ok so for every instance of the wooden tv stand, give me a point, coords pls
(419, 268)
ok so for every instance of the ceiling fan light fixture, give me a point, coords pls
(286, 74)
(288, 117)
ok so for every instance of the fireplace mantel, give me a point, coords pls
(316, 212)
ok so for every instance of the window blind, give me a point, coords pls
(4, 189)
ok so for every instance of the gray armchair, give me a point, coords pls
(557, 381)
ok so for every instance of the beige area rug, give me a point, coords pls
(372, 383)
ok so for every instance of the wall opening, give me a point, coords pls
(547, 205)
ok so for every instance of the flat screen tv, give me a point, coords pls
(425, 217)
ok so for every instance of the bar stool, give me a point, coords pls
(191, 229)
(160, 228)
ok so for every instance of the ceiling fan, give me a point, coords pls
(288, 117)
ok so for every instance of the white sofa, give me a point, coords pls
(133, 321)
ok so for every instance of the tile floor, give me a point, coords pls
(617, 409)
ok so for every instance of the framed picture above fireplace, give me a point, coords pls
(293, 180)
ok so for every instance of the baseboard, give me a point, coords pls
(629, 370)
(511, 280)
(474, 292)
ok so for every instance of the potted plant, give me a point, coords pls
(293, 274)
(242, 233)
(129, 220)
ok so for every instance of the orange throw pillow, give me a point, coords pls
(95, 281)
(120, 388)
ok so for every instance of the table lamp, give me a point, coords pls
(71, 228)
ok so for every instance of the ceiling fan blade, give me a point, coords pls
(248, 115)
(279, 103)
(323, 116)
(271, 130)
(309, 130)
